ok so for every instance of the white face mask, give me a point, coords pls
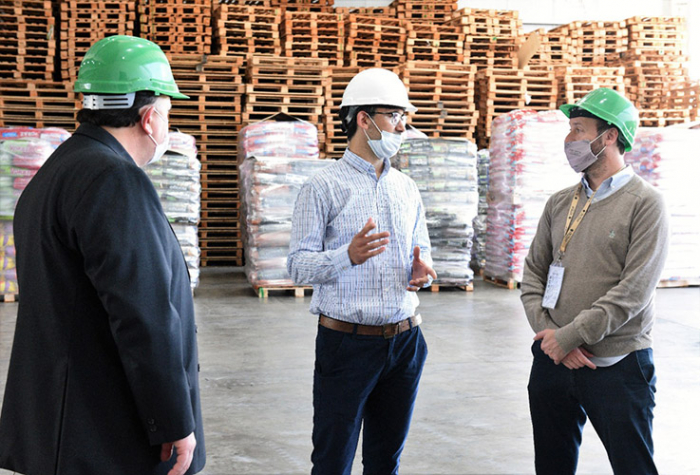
(387, 146)
(161, 148)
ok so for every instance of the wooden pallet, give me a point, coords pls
(465, 287)
(678, 283)
(510, 284)
(9, 298)
(246, 30)
(263, 291)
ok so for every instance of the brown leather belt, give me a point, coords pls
(389, 330)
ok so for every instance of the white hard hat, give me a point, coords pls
(375, 87)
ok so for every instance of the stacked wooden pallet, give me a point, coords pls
(577, 81)
(294, 86)
(616, 40)
(374, 41)
(213, 116)
(38, 104)
(313, 35)
(430, 11)
(650, 81)
(84, 23)
(443, 93)
(430, 42)
(246, 30)
(662, 117)
(317, 6)
(491, 36)
(367, 11)
(338, 80)
(683, 95)
(177, 26)
(657, 39)
(554, 49)
(588, 41)
(504, 90)
(27, 40)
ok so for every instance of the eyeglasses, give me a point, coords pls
(395, 117)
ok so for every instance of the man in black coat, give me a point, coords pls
(103, 375)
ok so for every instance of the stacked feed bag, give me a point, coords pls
(661, 156)
(446, 174)
(23, 150)
(277, 158)
(479, 224)
(176, 180)
(527, 166)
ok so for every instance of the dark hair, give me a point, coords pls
(348, 117)
(118, 117)
(602, 126)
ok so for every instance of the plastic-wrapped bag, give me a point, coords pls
(445, 173)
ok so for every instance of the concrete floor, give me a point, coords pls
(471, 415)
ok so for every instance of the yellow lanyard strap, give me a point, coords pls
(571, 229)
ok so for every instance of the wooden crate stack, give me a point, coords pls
(294, 86)
(338, 80)
(503, 90)
(317, 6)
(577, 81)
(443, 93)
(84, 23)
(374, 41)
(657, 39)
(491, 36)
(38, 104)
(27, 40)
(313, 35)
(616, 40)
(429, 11)
(430, 42)
(177, 26)
(588, 41)
(213, 116)
(555, 49)
(246, 30)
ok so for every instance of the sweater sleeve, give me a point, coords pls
(535, 273)
(646, 254)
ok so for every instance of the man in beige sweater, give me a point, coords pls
(588, 292)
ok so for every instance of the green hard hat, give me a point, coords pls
(613, 108)
(126, 64)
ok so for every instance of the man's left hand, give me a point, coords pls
(421, 272)
(550, 346)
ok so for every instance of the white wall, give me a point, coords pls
(550, 13)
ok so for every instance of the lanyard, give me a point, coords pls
(571, 228)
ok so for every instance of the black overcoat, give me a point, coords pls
(104, 365)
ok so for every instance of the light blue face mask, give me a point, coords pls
(387, 146)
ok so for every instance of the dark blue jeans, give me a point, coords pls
(364, 379)
(619, 401)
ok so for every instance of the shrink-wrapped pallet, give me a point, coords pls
(664, 158)
(479, 223)
(527, 166)
(176, 180)
(23, 150)
(446, 175)
(270, 186)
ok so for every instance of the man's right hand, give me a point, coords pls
(185, 452)
(364, 246)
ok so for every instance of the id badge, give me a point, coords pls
(554, 281)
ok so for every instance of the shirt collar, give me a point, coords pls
(615, 181)
(363, 165)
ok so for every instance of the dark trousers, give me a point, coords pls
(619, 401)
(364, 379)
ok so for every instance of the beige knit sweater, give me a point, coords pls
(613, 264)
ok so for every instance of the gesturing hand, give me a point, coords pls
(185, 452)
(421, 271)
(364, 245)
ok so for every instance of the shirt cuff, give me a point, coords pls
(341, 259)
